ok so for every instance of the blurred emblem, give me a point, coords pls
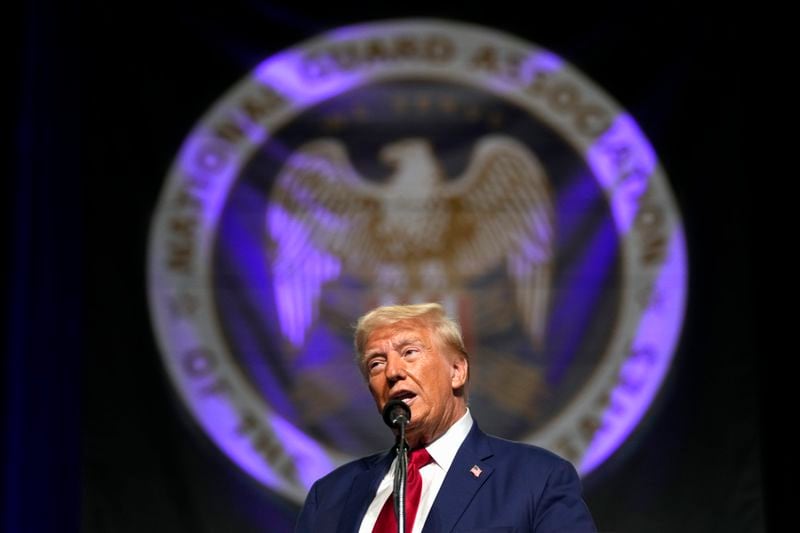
(418, 234)
(407, 161)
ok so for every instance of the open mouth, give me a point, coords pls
(405, 397)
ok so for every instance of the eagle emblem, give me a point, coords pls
(419, 234)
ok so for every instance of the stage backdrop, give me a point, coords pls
(255, 176)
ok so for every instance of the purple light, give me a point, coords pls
(623, 162)
(644, 371)
(544, 61)
(292, 75)
(299, 272)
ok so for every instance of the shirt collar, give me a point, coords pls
(444, 449)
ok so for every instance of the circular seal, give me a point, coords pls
(407, 161)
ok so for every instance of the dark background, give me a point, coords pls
(102, 96)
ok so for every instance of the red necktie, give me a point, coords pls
(387, 520)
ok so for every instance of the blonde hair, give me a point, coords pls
(430, 315)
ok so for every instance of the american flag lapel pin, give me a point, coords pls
(476, 471)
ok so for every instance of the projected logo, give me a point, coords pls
(409, 161)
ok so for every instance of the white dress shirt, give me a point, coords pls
(443, 451)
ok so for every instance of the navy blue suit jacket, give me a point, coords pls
(520, 488)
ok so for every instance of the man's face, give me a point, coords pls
(406, 361)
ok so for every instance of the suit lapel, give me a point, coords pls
(461, 483)
(363, 490)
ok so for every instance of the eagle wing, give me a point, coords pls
(502, 208)
(319, 209)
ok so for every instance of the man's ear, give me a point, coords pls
(459, 372)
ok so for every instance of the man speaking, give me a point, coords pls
(458, 477)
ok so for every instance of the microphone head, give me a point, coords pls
(396, 412)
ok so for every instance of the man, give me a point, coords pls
(470, 481)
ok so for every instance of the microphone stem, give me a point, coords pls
(401, 473)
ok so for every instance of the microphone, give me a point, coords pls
(396, 413)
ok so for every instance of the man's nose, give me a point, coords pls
(395, 367)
